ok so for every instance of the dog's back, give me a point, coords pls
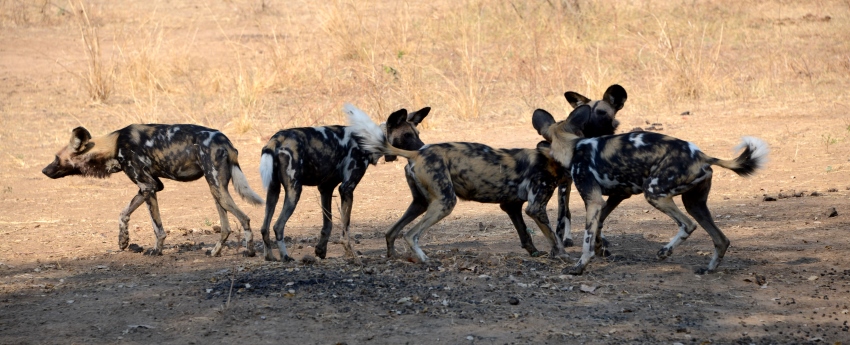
(481, 173)
(639, 161)
(313, 155)
(172, 150)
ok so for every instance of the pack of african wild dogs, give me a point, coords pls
(582, 149)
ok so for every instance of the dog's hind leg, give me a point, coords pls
(218, 179)
(601, 242)
(514, 211)
(292, 190)
(416, 208)
(437, 210)
(564, 227)
(695, 203)
(153, 208)
(326, 192)
(346, 194)
(272, 196)
(686, 225)
(225, 229)
(124, 218)
(537, 212)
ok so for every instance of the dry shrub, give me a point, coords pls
(99, 78)
(272, 66)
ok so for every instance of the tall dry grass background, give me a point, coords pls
(253, 67)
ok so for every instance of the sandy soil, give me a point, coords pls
(786, 278)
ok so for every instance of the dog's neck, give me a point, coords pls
(563, 147)
(100, 161)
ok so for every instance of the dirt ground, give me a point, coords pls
(785, 279)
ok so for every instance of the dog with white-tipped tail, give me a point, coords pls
(655, 165)
(325, 157)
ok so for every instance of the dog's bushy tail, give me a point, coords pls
(240, 183)
(266, 168)
(748, 162)
(371, 136)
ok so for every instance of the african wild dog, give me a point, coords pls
(324, 157)
(601, 122)
(147, 153)
(656, 165)
(438, 174)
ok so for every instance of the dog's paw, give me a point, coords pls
(321, 252)
(154, 252)
(702, 270)
(537, 253)
(249, 254)
(135, 248)
(288, 258)
(664, 253)
(575, 270)
(568, 242)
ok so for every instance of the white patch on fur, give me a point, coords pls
(215, 176)
(120, 155)
(637, 140)
(149, 143)
(281, 246)
(694, 149)
(568, 235)
(604, 180)
(593, 142)
(240, 183)
(210, 136)
(759, 147)
(266, 170)
(346, 138)
(322, 130)
(594, 148)
(368, 130)
(652, 183)
(289, 170)
(173, 130)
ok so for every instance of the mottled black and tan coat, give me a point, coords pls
(656, 165)
(439, 174)
(324, 157)
(148, 152)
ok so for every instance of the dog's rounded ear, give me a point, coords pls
(417, 116)
(616, 96)
(79, 138)
(575, 99)
(578, 119)
(396, 119)
(542, 120)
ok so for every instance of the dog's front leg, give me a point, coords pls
(594, 202)
(153, 207)
(124, 219)
(564, 228)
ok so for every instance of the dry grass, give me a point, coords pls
(260, 67)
